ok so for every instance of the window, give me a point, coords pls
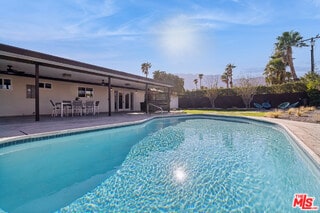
(81, 92)
(45, 85)
(89, 92)
(5, 83)
(31, 91)
(85, 92)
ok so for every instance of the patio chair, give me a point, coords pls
(77, 107)
(258, 106)
(89, 107)
(284, 105)
(67, 107)
(266, 105)
(55, 109)
(294, 105)
(96, 107)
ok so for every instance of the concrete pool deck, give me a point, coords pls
(307, 134)
(12, 128)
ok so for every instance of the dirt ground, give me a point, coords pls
(301, 114)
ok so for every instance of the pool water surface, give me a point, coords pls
(201, 164)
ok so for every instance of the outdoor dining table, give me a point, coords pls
(69, 104)
(62, 105)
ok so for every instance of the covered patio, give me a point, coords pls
(17, 126)
(29, 72)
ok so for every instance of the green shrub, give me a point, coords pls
(314, 96)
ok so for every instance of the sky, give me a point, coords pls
(176, 36)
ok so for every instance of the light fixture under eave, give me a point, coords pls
(66, 75)
(103, 83)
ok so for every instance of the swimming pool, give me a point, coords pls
(190, 163)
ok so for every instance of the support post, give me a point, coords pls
(37, 95)
(168, 99)
(312, 56)
(147, 99)
(109, 96)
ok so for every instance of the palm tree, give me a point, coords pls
(285, 43)
(200, 79)
(288, 76)
(275, 70)
(229, 71)
(225, 79)
(145, 68)
(195, 81)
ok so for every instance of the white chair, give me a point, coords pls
(96, 107)
(55, 109)
(77, 107)
(67, 107)
(89, 107)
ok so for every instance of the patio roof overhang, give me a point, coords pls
(58, 68)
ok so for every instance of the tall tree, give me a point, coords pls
(200, 80)
(212, 92)
(195, 81)
(247, 88)
(175, 80)
(225, 79)
(229, 71)
(275, 71)
(145, 68)
(285, 43)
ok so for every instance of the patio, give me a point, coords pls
(25, 125)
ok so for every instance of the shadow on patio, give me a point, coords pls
(25, 125)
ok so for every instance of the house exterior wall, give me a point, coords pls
(139, 97)
(174, 102)
(14, 101)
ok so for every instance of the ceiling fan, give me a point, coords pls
(11, 71)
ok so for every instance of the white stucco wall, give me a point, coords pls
(139, 97)
(13, 102)
(174, 102)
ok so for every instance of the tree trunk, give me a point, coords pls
(212, 103)
(290, 62)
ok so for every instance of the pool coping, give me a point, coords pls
(287, 126)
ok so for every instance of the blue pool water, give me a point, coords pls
(202, 164)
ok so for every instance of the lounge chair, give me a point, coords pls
(266, 105)
(258, 106)
(284, 105)
(294, 105)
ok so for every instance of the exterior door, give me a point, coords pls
(127, 101)
(116, 101)
(123, 101)
(120, 101)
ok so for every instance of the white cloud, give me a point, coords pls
(68, 20)
(251, 17)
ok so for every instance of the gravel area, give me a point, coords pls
(303, 115)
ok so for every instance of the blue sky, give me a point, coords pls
(176, 36)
